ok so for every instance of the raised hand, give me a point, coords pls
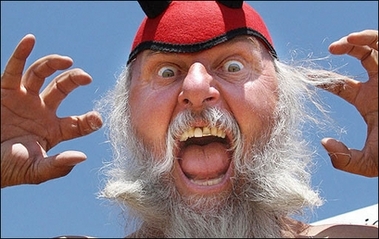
(364, 96)
(29, 125)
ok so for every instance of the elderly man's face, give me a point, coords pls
(236, 77)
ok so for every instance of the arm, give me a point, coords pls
(29, 125)
(364, 96)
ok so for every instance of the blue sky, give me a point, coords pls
(97, 36)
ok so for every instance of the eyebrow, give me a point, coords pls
(153, 53)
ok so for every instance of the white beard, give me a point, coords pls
(269, 184)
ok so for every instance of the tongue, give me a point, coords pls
(205, 162)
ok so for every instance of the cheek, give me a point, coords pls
(150, 113)
(254, 106)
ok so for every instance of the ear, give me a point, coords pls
(232, 4)
(153, 9)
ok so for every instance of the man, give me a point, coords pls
(203, 122)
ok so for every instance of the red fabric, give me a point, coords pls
(191, 22)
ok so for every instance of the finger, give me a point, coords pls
(59, 165)
(347, 88)
(342, 46)
(76, 126)
(35, 75)
(67, 159)
(363, 52)
(366, 37)
(62, 85)
(345, 159)
(11, 77)
(370, 63)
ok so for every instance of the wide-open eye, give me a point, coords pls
(233, 66)
(167, 71)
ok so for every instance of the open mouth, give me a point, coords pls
(205, 158)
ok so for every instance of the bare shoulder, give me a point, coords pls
(341, 231)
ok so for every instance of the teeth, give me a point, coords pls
(198, 133)
(214, 131)
(202, 132)
(206, 131)
(208, 182)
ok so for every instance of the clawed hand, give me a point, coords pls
(364, 96)
(29, 125)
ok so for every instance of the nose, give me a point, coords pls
(197, 89)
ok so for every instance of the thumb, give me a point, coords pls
(61, 164)
(67, 158)
(343, 158)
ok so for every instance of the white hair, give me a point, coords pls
(273, 180)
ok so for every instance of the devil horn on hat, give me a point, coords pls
(152, 9)
(232, 4)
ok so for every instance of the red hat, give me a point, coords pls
(192, 26)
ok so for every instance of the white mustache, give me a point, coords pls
(210, 117)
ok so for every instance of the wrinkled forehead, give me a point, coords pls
(193, 26)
